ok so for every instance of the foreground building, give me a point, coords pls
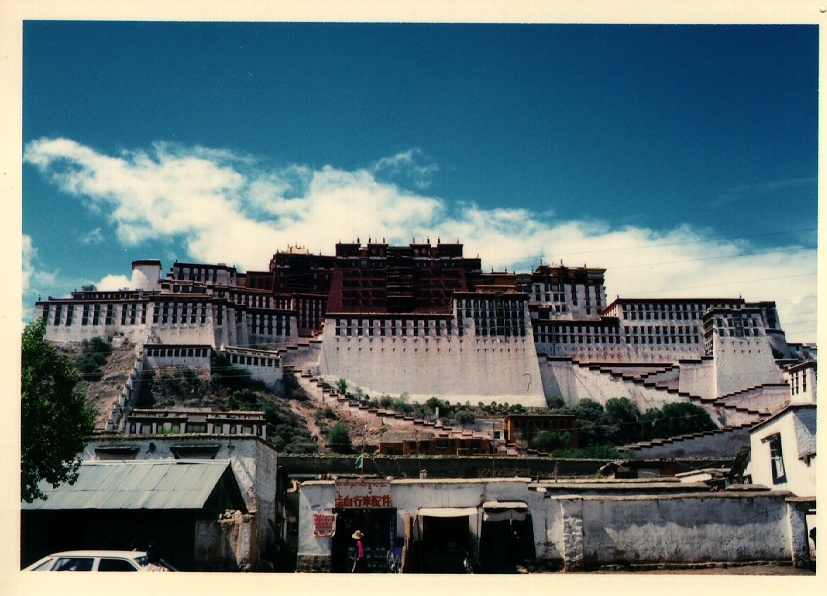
(213, 502)
(433, 525)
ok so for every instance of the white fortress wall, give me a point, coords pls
(467, 368)
(743, 362)
(668, 378)
(767, 398)
(573, 383)
(697, 377)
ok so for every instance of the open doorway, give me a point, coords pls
(444, 541)
(379, 529)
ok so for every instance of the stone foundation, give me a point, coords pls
(313, 564)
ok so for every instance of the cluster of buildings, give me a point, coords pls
(425, 320)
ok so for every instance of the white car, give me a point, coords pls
(94, 560)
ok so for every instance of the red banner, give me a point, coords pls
(324, 525)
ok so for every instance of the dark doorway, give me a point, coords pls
(379, 529)
(444, 543)
(505, 544)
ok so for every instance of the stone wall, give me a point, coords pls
(673, 530)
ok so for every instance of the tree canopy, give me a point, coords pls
(56, 421)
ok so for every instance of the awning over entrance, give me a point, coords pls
(446, 511)
(504, 511)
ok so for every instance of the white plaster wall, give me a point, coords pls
(800, 477)
(698, 378)
(573, 383)
(455, 368)
(768, 398)
(314, 497)
(691, 529)
(743, 362)
(667, 378)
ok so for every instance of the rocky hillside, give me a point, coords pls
(295, 423)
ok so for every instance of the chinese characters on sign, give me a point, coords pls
(324, 525)
(362, 494)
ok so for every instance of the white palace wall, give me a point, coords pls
(742, 362)
(459, 369)
(562, 378)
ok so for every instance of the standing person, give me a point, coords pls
(359, 566)
(153, 559)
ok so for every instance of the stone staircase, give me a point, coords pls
(321, 391)
(727, 413)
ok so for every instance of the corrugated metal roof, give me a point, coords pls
(135, 485)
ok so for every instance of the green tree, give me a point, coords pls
(56, 421)
(591, 421)
(465, 417)
(623, 421)
(338, 438)
(341, 385)
(546, 440)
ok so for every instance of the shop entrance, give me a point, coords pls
(444, 540)
(379, 529)
(506, 536)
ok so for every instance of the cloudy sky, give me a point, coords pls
(683, 159)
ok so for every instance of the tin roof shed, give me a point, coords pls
(151, 485)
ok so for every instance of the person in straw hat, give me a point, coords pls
(359, 564)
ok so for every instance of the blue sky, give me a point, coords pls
(681, 158)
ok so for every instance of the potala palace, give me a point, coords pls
(425, 320)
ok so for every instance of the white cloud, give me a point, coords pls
(93, 237)
(233, 209)
(410, 164)
(111, 283)
(33, 277)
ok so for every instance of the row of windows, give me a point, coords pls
(491, 304)
(393, 327)
(247, 360)
(662, 316)
(180, 312)
(158, 352)
(267, 324)
(232, 429)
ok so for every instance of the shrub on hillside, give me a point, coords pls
(338, 439)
